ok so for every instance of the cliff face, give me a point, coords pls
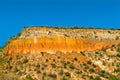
(50, 40)
(49, 44)
(58, 54)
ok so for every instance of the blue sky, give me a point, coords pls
(16, 14)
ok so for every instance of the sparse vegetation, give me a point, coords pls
(91, 70)
(117, 70)
(68, 74)
(79, 72)
(47, 60)
(65, 65)
(113, 77)
(1, 59)
(118, 55)
(97, 60)
(75, 59)
(82, 53)
(28, 77)
(109, 32)
(53, 65)
(52, 75)
(42, 53)
(25, 60)
(97, 78)
(38, 65)
(118, 47)
(71, 66)
(89, 62)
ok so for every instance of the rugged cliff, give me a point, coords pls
(50, 40)
(42, 53)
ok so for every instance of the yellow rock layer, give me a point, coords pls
(58, 43)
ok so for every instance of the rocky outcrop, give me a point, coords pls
(55, 53)
(44, 44)
(51, 40)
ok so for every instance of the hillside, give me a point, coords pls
(44, 53)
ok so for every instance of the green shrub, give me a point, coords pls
(8, 62)
(44, 73)
(82, 53)
(47, 60)
(75, 27)
(97, 52)
(85, 66)
(42, 53)
(38, 71)
(10, 67)
(118, 47)
(102, 73)
(89, 62)
(53, 65)
(6, 55)
(25, 60)
(117, 70)
(96, 36)
(94, 65)
(91, 77)
(65, 65)
(78, 72)
(75, 59)
(1, 49)
(64, 78)
(28, 77)
(61, 72)
(52, 75)
(38, 65)
(97, 78)
(118, 55)
(68, 74)
(91, 70)
(42, 68)
(117, 38)
(109, 32)
(112, 77)
(68, 62)
(71, 67)
(1, 59)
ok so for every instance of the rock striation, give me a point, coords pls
(37, 39)
(42, 53)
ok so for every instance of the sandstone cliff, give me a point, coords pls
(50, 40)
(42, 53)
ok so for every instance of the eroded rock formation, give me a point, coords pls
(50, 40)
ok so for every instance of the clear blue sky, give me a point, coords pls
(15, 14)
